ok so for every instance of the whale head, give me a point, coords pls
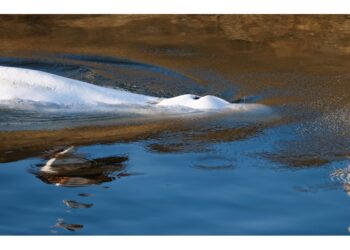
(195, 102)
(209, 104)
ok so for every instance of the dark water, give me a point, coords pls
(220, 175)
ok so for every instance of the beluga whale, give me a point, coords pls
(20, 86)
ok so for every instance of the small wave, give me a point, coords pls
(213, 163)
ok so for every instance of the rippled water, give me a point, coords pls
(112, 173)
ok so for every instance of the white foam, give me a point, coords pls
(32, 86)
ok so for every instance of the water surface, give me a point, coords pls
(129, 175)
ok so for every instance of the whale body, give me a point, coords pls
(26, 85)
(38, 86)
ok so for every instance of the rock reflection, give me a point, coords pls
(298, 160)
(69, 227)
(85, 194)
(67, 168)
(75, 204)
(64, 166)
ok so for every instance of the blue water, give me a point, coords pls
(227, 179)
(166, 193)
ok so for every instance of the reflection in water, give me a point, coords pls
(70, 227)
(65, 167)
(186, 135)
(24, 144)
(297, 160)
(69, 169)
(75, 204)
(85, 194)
(198, 138)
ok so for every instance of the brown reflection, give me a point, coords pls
(191, 130)
(17, 145)
(69, 169)
(298, 160)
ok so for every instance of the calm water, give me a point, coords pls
(221, 175)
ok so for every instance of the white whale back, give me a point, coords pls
(37, 86)
(17, 84)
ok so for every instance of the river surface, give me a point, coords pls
(125, 174)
